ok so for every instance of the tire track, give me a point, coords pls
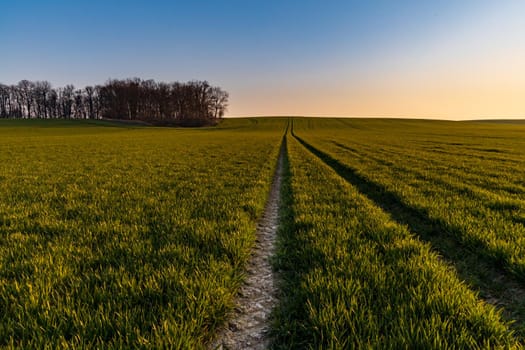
(495, 285)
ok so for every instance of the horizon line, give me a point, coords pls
(439, 118)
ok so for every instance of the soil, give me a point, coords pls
(249, 325)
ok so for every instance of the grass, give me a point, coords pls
(354, 278)
(126, 237)
(394, 233)
(456, 185)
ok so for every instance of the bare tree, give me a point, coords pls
(5, 101)
(192, 103)
(53, 110)
(65, 96)
(219, 102)
(42, 91)
(90, 101)
(26, 96)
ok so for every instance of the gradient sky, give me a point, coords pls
(435, 59)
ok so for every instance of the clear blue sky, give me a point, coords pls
(400, 58)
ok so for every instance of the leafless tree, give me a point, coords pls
(192, 103)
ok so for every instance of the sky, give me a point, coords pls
(445, 59)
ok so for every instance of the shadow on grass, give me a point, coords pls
(482, 269)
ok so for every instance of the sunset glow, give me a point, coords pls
(450, 60)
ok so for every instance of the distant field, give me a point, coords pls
(394, 233)
(500, 121)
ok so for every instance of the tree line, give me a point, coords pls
(193, 103)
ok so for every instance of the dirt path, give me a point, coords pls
(248, 328)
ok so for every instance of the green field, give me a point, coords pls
(113, 237)
(393, 234)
